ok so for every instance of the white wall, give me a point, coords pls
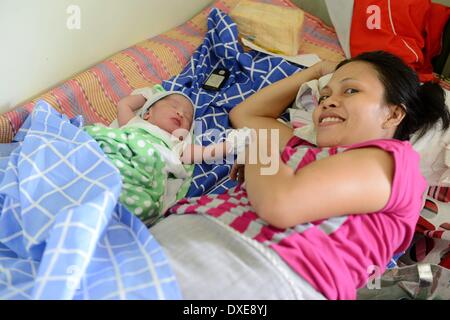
(38, 50)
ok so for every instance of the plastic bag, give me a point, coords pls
(414, 282)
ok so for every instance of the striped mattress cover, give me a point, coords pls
(95, 92)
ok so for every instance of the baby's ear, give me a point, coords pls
(147, 115)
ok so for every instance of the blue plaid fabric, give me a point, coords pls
(248, 73)
(63, 234)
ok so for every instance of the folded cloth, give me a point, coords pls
(301, 111)
(306, 100)
(272, 27)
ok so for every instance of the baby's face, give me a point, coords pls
(171, 113)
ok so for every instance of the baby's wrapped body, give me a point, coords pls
(153, 149)
(141, 145)
(153, 177)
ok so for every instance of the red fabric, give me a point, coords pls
(415, 33)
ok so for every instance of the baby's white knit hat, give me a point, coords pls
(153, 95)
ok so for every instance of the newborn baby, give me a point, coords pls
(150, 143)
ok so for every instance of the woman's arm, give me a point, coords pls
(127, 107)
(352, 182)
(356, 181)
(261, 110)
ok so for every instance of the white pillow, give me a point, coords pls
(434, 150)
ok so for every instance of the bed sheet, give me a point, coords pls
(63, 233)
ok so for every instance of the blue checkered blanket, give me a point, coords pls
(249, 72)
(63, 234)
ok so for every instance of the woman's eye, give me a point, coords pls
(351, 91)
(321, 98)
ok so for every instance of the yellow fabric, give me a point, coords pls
(274, 28)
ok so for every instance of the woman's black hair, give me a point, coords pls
(425, 103)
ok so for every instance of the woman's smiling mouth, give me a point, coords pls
(329, 119)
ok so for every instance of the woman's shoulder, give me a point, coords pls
(383, 144)
(399, 161)
(299, 152)
(406, 161)
(402, 152)
(389, 145)
(386, 144)
(397, 148)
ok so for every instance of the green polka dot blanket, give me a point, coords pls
(153, 177)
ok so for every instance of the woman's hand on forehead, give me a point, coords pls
(324, 67)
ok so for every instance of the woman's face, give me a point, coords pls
(351, 107)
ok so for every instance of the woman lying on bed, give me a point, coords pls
(333, 214)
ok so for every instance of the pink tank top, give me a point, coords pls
(336, 255)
